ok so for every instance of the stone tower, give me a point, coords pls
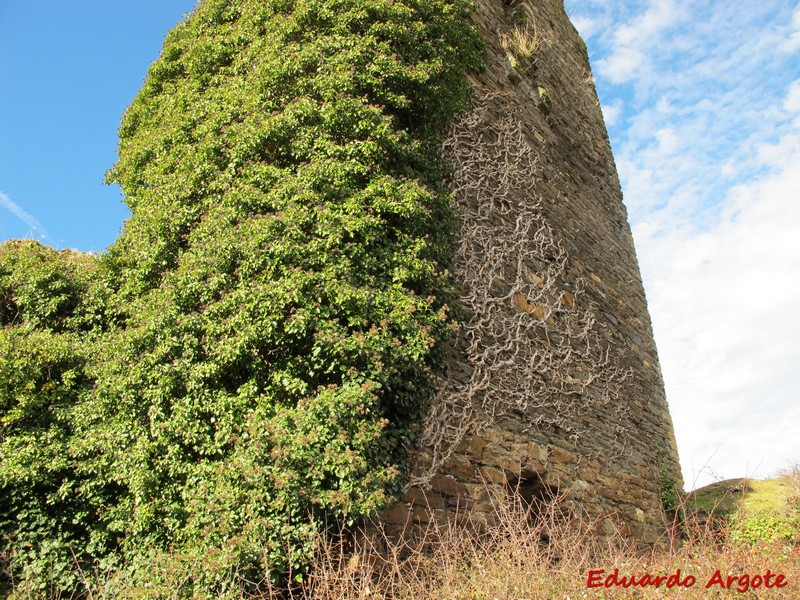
(554, 380)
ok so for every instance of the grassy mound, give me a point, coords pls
(751, 510)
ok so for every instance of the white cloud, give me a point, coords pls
(660, 15)
(612, 113)
(668, 141)
(19, 212)
(723, 301)
(622, 65)
(586, 26)
(706, 132)
(792, 102)
(632, 41)
(793, 41)
(729, 168)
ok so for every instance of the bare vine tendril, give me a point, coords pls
(530, 338)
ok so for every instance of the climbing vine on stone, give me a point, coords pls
(531, 342)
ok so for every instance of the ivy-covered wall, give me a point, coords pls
(361, 263)
(554, 384)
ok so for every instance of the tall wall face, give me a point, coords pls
(554, 381)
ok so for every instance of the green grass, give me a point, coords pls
(751, 495)
(753, 511)
(720, 498)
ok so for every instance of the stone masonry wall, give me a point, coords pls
(554, 382)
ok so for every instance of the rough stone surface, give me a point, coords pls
(554, 380)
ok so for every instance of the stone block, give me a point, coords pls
(561, 456)
(418, 497)
(460, 466)
(475, 446)
(447, 485)
(493, 475)
(399, 514)
(510, 464)
(537, 452)
(459, 503)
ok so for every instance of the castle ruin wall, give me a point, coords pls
(554, 379)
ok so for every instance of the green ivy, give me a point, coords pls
(250, 359)
(763, 528)
(668, 490)
(48, 513)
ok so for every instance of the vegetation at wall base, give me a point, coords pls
(518, 551)
(249, 360)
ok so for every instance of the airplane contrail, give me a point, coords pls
(23, 216)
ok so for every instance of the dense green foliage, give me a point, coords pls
(249, 360)
(763, 527)
(668, 490)
(48, 507)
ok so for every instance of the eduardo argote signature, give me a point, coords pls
(741, 582)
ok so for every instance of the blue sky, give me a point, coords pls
(702, 102)
(67, 72)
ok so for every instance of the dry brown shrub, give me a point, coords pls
(540, 552)
(520, 551)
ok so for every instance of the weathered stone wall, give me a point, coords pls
(554, 381)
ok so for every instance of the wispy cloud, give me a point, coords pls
(792, 102)
(629, 51)
(31, 221)
(724, 303)
(704, 101)
(792, 43)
